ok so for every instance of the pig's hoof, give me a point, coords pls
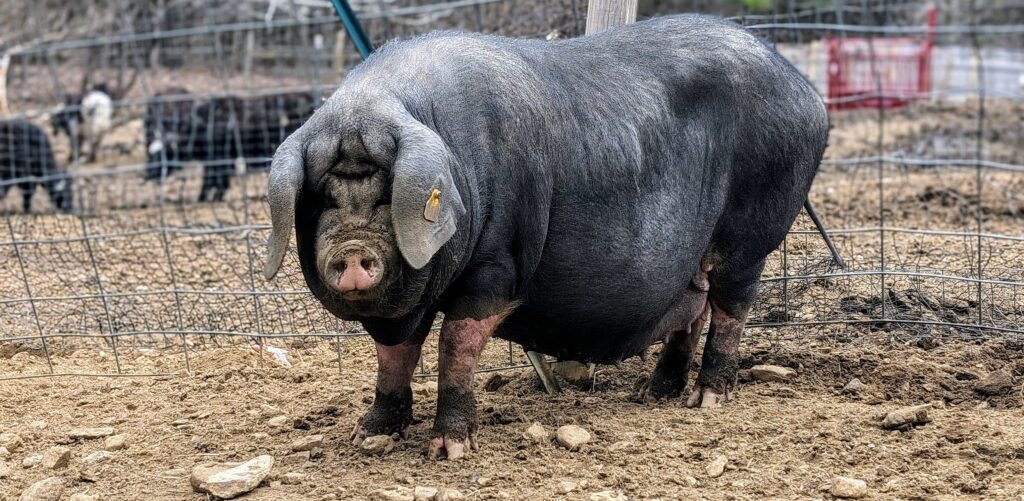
(706, 398)
(451, 448)
(658, 387)
(373, 424)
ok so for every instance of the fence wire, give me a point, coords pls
(146, 235)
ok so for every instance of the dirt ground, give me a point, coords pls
(782, 440)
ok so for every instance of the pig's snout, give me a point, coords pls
(355, 269)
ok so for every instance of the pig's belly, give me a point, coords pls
(603, 286)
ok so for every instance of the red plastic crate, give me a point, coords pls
(901, 69)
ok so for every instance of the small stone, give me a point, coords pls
(483, 481)
(393, 493)
(10, 441)
(572, 437)
(772, 373)
(496, 382)
(906, 417)
(996, 383)
(178, 423)
(115, 442)
(4, 453)
(97, 457)
(377, 445)
(5, 471)
(292, 478)
(690, 481)
(37, 425)
(566, 486)
(269, 411)
(56, 457)
(854, 386)
(421, 493)
(81, 496)
(537, 434)
(47, 489)
(308, 443)
(32, 460)
(448, 495)
(716, 468)
(80, 433)
(846, 487)
(608, 496)
(296, 459)
(228, 480)
(278, 421)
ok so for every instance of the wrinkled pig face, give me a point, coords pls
(356, 252)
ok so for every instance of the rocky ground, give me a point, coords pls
(818, 423)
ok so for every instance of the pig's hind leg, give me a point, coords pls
(730, 295)
(688, 319)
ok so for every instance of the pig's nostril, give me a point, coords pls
(367, 263)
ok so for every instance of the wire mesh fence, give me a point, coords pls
(140, 227)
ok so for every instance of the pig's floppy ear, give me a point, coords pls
(286, 175)
(425, 205)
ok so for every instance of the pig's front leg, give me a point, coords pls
(392, 404)
(461, 342)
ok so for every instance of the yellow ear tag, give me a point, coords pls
(433, 208)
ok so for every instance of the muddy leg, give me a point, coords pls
(731, 295)
(391, 411)
(460, 346)
(687, 321)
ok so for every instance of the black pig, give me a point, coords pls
(582, 198)
(26, 155)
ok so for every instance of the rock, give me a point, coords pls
(448, 495)
(393, 493)
(608, 496)
(772, 373)
(97, 457)
(996, 383)
(483, 481)
(377, 445)
(854, 386)
(32, 460)
(907, 416)
(846, 487)
(80, 433)
(269, 411)
(278, 421)
(56, 457)
(566, 486)
(421, 493)
(716, 468)
(292, 478)
(10, 441)
(573, 372)
(5, 471)
(572, 437)
(296, 459)
(308, 443)
(228, 480)
(115, 443)
(37, 425)
(425, 389)
(183, 422)
(81, 496)
(537, 434)
(47, 489)
(690, 481)
(4, 453)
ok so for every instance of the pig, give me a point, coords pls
(27, 161)
(582, 198)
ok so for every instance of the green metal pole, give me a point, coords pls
(353, 27)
